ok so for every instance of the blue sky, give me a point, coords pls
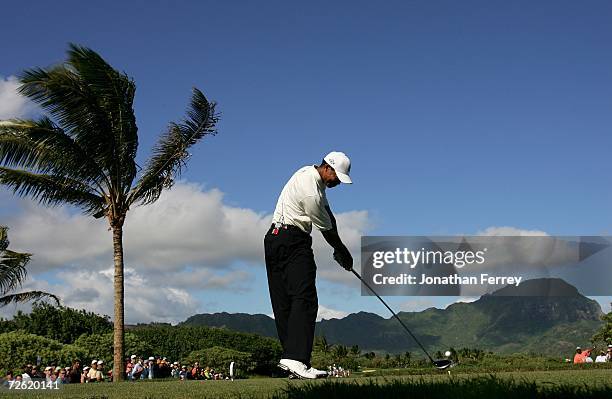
(458, 116)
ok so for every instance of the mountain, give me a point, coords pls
(501, 322)
(251, 323)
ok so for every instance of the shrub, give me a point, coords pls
(220, 358)
(60, 323)
(19, 348)
(100, 346)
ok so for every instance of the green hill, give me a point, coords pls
(501, 322)
(251, 323)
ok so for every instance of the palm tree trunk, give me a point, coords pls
(118, 336)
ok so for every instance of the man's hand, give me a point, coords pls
(344, 258)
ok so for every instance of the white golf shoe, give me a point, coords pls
(297, 368)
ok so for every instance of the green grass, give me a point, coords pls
(479, 387)
(494, 365)
(569, 384)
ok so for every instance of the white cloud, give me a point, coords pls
(186, 227)
(417, 304)
(58, 239)
(191, 226)
(328, 313)
(325, 313)
(509, 231)
(467, 299)
(150, 302)
(93, 290)
(527, 254)
(604, 302)
(13, 104)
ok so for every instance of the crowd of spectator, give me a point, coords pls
(337, 371)
(137, 368)
(53, 373)
(584, 356)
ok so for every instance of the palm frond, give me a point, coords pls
(51, 190)
(115, 91)
(27, 296)
(4, 242)
(13, 272)
(61, 92)
(92, 103)
(43, 147)
(12, 264)
(12, 269)
(170, 154)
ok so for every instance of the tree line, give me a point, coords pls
(59, 334)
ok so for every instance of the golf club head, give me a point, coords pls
(443, 364)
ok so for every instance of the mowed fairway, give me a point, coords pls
(598, 380)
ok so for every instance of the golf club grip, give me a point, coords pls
(393, 313)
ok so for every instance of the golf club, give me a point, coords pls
(439, 364)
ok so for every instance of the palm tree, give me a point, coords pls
(322, 345)
(83, 154)
(340, 352)
(13, 273)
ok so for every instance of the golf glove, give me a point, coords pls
(344, 258)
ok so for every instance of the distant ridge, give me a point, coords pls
(501, 322)
(252, 323)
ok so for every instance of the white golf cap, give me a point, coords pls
(341, 164)
(578, 348)
(609, 346)
(100, 361)
(94, 361)
(85, 368)
(151, 358)
(133, 357)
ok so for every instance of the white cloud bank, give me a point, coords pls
(509, 231)
(188, 242)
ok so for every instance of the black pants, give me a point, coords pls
(291, 279)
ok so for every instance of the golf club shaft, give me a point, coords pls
(394, 315)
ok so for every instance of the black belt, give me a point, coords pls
(289, 227)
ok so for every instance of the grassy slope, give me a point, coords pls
(265, 387)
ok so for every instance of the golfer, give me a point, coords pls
(290, 263)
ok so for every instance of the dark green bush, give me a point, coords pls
(18, 348)
(220, 358)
